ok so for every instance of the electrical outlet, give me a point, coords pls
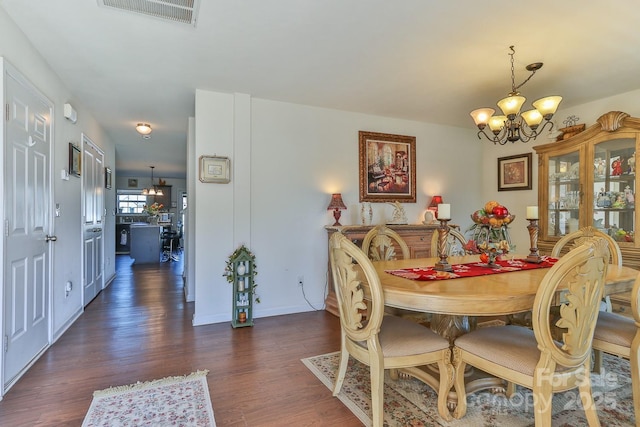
(300, 280)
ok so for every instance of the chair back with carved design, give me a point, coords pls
(583, 273)
(350, 269)
(578, 237)
(382, 244)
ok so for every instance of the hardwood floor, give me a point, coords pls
(139, 329)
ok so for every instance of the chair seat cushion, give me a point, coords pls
(514, 347)
(401, 337)
(615, 329)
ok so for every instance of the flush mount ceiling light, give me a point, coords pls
(143, 128)
(513, 126)
(152, 190)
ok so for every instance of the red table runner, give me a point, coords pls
(470, 269)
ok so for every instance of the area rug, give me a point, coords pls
(171, 401)
(409, 402)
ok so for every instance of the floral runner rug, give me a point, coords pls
(171, 401)
(471, 269)
(410, 402)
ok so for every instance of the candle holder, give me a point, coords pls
(534, 255)
(443, 235)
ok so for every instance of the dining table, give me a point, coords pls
(456, 303)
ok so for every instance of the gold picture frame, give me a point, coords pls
(514, 172)
(387, 167)
(215, 169)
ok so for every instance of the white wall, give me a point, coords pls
(296, 156)
(67, 265)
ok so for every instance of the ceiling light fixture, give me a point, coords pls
(152, 190)
(143, 128)
(513, 126)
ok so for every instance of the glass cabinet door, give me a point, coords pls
(614, 188)
(563, 194)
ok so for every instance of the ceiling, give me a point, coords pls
(412, 59)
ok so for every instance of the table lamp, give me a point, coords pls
(433, 206)
(336, 204)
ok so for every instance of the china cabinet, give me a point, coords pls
(241, 268)
(590, 180)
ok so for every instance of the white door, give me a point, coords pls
(27, 222)
(93, 214)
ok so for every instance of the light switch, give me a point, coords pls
(58, 209)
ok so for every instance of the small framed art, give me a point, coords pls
(215, 169)
(107, 178)
(514, 172)
(75, 163)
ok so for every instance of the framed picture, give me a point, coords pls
(75, 165)
(514, 172)
(215, 169)
(132, 183)
(387, 167)
(107, 178)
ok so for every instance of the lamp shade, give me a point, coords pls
(511, 105)
(336, 202)
(532, 117)
(547, 106)
(435, 201)
(481, 116)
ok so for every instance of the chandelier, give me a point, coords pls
(513, 126)
(152, 190)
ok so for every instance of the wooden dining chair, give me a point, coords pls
(532, 358)
(381, 341)
(620, 336)
(381, 244)
(454, 246)
(574, 239)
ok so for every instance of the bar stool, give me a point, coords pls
(168, 237)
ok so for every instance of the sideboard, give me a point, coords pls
(417, 236)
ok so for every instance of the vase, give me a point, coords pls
(153, 220)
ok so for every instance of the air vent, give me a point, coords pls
(183, 11)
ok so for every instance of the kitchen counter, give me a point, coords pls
(146, 245)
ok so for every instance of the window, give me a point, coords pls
(131, 203)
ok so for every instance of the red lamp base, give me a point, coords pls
(336, 215)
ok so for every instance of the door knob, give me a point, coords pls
(50, 238)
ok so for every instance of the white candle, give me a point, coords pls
(444, 211)
(532, 212)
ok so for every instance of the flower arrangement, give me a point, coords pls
(229, 268)
(153, 209)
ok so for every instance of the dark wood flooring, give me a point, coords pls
(139, 329)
